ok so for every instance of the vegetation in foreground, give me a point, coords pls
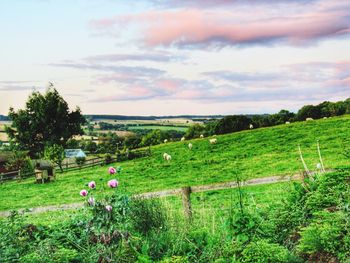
(258, 153)
(311, 224)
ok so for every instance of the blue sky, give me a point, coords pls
(176, 57)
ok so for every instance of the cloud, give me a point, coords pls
(143, 71)
(237, 26)
(153, 57)
(219, 3)
(18, 85)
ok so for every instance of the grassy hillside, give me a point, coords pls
(251, 154)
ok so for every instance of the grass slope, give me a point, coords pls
(256, 153)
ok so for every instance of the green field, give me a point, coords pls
(158, 127)
(251, 154)
(205, 204)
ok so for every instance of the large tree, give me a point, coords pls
(46, 120)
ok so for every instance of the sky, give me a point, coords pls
(174, 57)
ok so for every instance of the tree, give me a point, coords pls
(55, 153)
(232, 123)
(309, 111)
(153, 138)
(194, 131)
(46, 120)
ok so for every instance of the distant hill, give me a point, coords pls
(126, 117)
(3, 118)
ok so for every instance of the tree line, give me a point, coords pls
(234, 123)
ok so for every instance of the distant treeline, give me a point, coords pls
(234, 123)
(125, 127)
(125, 117)
(4, 118)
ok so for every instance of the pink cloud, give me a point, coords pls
(235, 27)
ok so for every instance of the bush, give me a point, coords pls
(148, 215)
(80, 160)
(327, 234)
(108, 159)
(264, 251)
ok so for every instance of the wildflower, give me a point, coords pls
(108, 208)
(83, 192)
(112, 170)
(92, 185)
(113, 183)
(91, 201)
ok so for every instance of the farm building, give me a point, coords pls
(74, 153)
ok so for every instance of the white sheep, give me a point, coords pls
(287, 122)
(183, 139)
(201, 136)
(168, 157)
(213, 141)
(190, 146)
(251, 126)
(165, 141)
(325, 118)
(309, 119)
(164, 156)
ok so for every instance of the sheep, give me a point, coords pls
(164, 156)
(251, 126)
(168, 157)
(309, 119)
(190, 146)
(183, 139)
(325, 118)
(201, 136)
(287, 122)
(213, 141)
(165, 141)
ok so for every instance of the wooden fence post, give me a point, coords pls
(186, 201)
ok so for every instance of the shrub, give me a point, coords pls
(80, 160)
(264, 251)
(147, 215)
(327, 234)
(108, 159)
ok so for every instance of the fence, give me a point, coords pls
(98, 161)
(184, 192)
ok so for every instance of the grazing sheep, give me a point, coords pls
(213, 141)
(183, 139)
(168, 157)
(325, 118)
(251, 126)
(165, 141)
(190, 146)
(309, 119)
(287, 122)
(164, 156)
(202, 136)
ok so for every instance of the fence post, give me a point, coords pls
(186, 201)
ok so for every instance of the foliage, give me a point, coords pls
(194, 131)
(153, 138)
(45, 120)
(20, 161)
(80, 160)
(263, 251)
(55, 153)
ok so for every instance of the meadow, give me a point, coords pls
(250, 154)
